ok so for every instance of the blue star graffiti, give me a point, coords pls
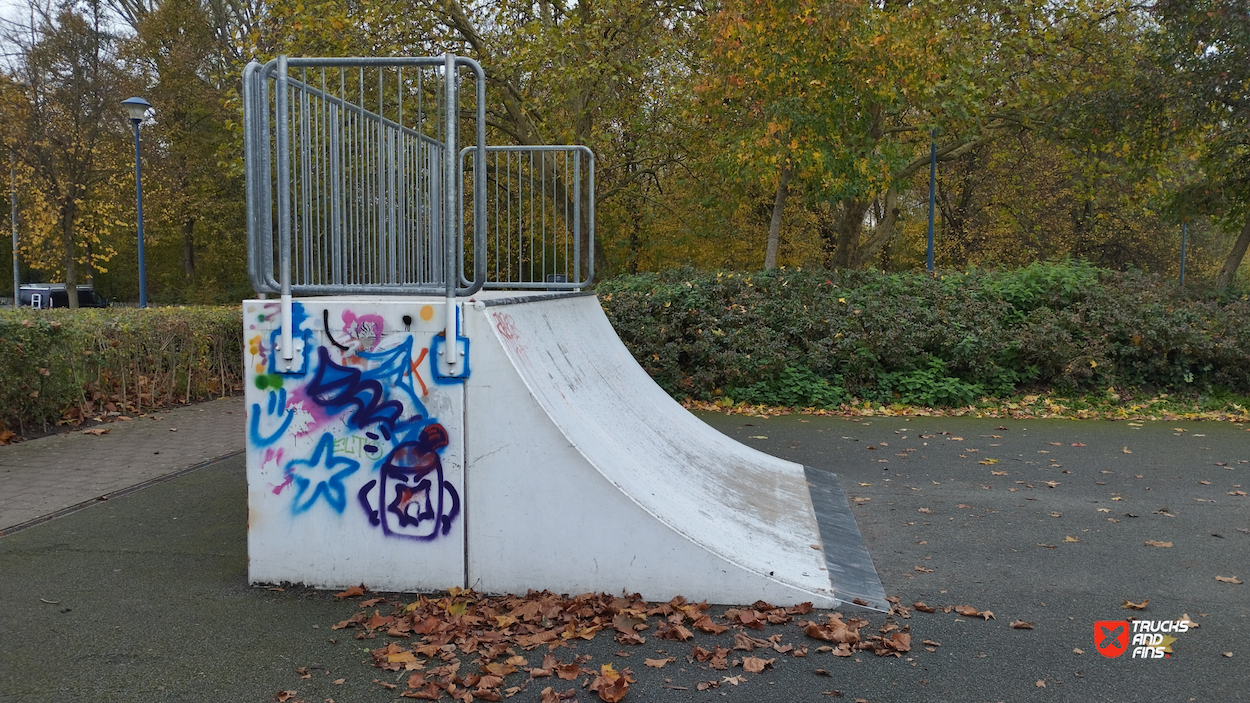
(321, 477)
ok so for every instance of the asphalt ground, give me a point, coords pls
(144, 597)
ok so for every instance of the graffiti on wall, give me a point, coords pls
(354, 424)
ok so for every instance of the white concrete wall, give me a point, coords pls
(356, 465)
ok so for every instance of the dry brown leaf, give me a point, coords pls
(1227, 579)
(1022, 625)
(97, 431)
(1130, 605)
(1078, 650)
(967, 611)
(500, 669)
(920, 605)
(285, 695)
(1228, 654)
(926, 511)
(658, 663)
(568, 672)
(1126, 450)
(353, 591)
(1040, 683)
(1070, 538)
(610, 684)
(755, 665)
(1157, 543)
(705, 624)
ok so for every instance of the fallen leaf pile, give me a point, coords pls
(467, 646)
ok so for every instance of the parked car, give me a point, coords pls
(42, 296)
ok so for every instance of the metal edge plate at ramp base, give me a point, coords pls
(851, 570)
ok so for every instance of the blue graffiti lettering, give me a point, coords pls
(276, 407)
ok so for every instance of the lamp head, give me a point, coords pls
(137, 107)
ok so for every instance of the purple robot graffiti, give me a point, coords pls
(410, 498)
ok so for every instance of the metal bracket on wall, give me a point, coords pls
(299, 346)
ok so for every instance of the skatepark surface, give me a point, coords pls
(144, 597)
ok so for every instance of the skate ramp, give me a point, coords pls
(625, 489)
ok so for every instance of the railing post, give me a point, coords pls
(284, 211)
(451, 156)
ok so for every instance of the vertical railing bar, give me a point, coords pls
(543, 223)
(450, 157)
(323, 187)
(284, 212)
(336, 194)
(572, 274)
(531, 215)
(305, 174)
(496, 201)
(400, 179)
(577, 207)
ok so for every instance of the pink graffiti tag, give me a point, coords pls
(511, 335)
(506, 327)
(365, 328)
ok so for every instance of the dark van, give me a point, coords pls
(43, 296)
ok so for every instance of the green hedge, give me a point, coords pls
(818, 338)
(66, 365)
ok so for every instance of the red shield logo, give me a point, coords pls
(1111, 637)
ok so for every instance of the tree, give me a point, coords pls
(194, 194)
(66, 66)
(848, 93)
(1202, 80)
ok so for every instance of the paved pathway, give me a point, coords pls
(54, 475)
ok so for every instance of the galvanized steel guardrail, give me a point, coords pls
(540, 217)
(356, 184)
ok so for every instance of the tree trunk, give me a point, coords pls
(828, 230)
(882, 233)
(67, 256)
(774, 227)
(1233, 261)
(188, 249)
(849, 229)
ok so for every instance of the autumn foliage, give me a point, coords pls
(467, 646)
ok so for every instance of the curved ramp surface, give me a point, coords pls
(639, 494)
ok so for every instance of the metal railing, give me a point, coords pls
(356, 184)
(540, 217)
(348, 182)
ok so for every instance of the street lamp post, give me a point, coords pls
(932, 190)
(138, 107)
(17, 279)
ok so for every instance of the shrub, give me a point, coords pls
(915, 338)
(72, 364)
